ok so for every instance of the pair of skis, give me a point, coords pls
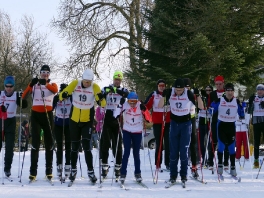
(122, 185)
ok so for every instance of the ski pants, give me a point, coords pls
(226, 133)
(241, 138)
(39, 121)
(81, 131)
(94, 140)
(258, 129)
(193, 144)
(60, 135)
(110, 133)
(157, 128)
(9, 138)
(212, 145)
(136, 139)
(180, 137)
(203, 132)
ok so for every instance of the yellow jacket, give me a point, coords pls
(83, 115)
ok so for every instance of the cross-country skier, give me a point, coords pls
(152, 102)
(133, 117)
(62, 131)
(113, 93)
(181, 101)
(227, 107)
(214, 95)
(204, 119)
(9, 100)
(256, 109)
(84, 92)
(193, 145)
(42, 92)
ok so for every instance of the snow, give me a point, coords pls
(83, 188)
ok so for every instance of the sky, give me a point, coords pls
(43, 12)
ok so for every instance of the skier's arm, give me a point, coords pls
(215, 105)
(52, 87)
(69, 89)
(251, 104)
(149, 101)
(240, 110)
(98, 95)
(55, 101)
(165, 97)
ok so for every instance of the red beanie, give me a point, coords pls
(219, 78)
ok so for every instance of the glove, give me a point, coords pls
(196, 91)
(3, 108)
(33, 82)
(262, 104)
(165, 92)
(100, 96)
(142, 107)
(64, 95)
(42, 81)
(122, 101)
(203, 93)
(113, 89)
(21, 93)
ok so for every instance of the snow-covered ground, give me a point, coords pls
(82, 188)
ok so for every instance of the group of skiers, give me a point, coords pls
(120, 118)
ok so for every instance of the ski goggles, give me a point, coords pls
(132, 101)
(44, 72)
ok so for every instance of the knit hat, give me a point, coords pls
(229, 86)
(161, 81)
(179, 83)
(9, 80)
(187, 82)
(45, 68)
(219, 78)
(260, 87)
(210, 87)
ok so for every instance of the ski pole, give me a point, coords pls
(19, 136)
(3, 136)
(63, 128)
(22, 164)
(260, 168)
(80, 165)
(200, 153)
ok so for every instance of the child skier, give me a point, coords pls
(133, 114)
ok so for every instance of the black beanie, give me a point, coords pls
(209, 86)
(179, 83)
(187, 82)
(45, 68)
(63, 86)
(229, 86)
(161, 81)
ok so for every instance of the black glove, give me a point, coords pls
(142, 107)
(122, 101)
(203, 93)
(100, 96)
(64, 95)
(21, 93)
(3, 108)
(262, 104)
(165, 92)
(196, 91)
(33, 82)
(42, 81)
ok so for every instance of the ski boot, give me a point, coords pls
(220, 169)
(31, 178)
(59, 170)
(122, 179)
(91, 176)
(73, 174)
(194, 172)
(49, 173)
(256, 164)
(233, 171)
(117, 171)
(105, 170)
(67, 170)
(138, 177)
(183, 179)
(172, 179)
(7, 172)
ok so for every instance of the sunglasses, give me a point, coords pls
(132, 101)
(208, 90)
(44, 72)
(7, 86)
(161, 85)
